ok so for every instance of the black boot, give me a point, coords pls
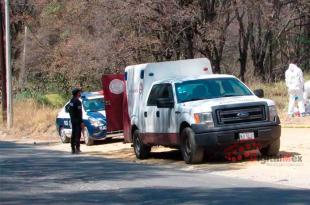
(78, 151)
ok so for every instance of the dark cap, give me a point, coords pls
(75, 91)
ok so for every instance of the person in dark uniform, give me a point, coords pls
(75, 110)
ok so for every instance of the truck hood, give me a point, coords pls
(206, 105)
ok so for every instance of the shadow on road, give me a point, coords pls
(30, 175)
(214, 156)
(108, 140)
(162, 195)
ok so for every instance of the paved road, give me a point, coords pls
(30, 175)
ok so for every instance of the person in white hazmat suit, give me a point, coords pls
(295, 83)
(307, 97)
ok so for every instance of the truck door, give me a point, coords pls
(113, 88)
(149, 112)
(166, 119)
(160, 122)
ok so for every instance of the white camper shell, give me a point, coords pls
(182, 104)
(140, 78)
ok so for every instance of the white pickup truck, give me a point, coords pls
(182, 104)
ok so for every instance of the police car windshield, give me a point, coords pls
(210, 88)
(93, 105)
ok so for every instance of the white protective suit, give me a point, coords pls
(307, 96)
(307, 90)
(295, 83)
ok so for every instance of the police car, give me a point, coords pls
(94, 118)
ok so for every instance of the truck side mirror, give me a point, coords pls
(259, 93)
(165, 103)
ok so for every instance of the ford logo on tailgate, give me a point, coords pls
(243, 114)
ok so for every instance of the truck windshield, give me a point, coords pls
(93, 105)
(210, 88)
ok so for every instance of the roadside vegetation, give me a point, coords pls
(60, 44)
(71, 43)
(35, 115)
(278, 92)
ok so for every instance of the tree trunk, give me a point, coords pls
(216, 65)
(189, 52)
(2, 66)
(22, 79)
(243, 61)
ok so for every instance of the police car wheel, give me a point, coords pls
(63, 137)
(142, 151)
(88, 141)
(272, 149)
(191, 152)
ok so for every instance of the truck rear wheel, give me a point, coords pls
(272, 149)
(142, 151)
(191, 152)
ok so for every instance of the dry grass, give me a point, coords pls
(32, 119)
(277, 92)
(274, 91)
(29, 116)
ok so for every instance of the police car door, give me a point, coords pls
(65, 116)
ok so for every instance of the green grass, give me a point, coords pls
(53, 100)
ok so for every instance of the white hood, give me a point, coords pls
(206, 105)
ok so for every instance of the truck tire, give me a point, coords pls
(191, 152)
(272, 149)
(88, 141)
(142, 151)
(63, 137)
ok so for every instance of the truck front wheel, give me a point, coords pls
(142, 151)
(191, 152)
(272, 149)
(63, 136)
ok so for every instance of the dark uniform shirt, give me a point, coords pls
(76, 111)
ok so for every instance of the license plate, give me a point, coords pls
(246, 136)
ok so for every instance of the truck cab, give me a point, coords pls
(182, 104)
(206, 112)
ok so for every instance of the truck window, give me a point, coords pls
(210, 88)
(166, 92)
(153, 95)
(160, 91)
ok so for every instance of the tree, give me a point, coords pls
(215, 18)
(245, 30)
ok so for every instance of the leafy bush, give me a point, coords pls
(52, 100)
